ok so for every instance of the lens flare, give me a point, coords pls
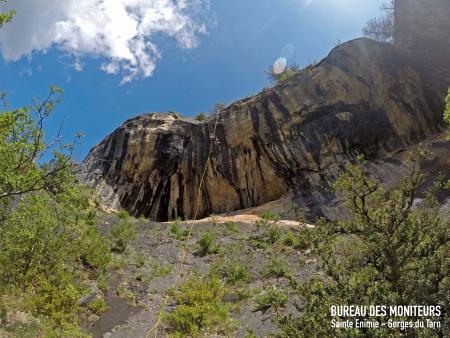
(280, 65)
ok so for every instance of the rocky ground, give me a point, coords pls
(148, 268)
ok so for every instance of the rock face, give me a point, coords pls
(365, 97)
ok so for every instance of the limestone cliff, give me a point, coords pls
(365, 97)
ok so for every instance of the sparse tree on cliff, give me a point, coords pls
(5, 17)
(382, 28)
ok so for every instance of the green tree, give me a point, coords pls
(5, 17)
(201, 117)
(49, 245)
(392, 251)
(288, 74)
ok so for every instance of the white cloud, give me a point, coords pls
(121, 31)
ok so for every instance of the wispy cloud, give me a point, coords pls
(121, 31)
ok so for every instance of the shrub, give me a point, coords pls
(207, 244)
(200, 307)
(232, 271)
(122, 234)
(201, 117)
(98, 306)
(231, 227)
(288, 74)
(123, 214)
(275, 267)
(177, 232)
(274, 235)
(389, 251)
(290, 238)
(273, 298)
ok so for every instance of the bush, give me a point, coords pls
(289, 73)
(231, 227)
(274, 235)
(177, 232)
(123, 214)
(201, 117)
(290, 238)
(207, 244)
(276, 267)
(389, 251)
(232, 271)
(122, 234)
(273, 298)
(200, 308)
(98, 306)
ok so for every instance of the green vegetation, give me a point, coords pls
(207, 244)
(270, 216)
(276, 266)
(273, 298)
(287, 75)
(123, 214)
(231, 227)
(201, 117)
(159, 270)
(390, 252)
(231, 270)
(49, 245)
(200, 308)
(5, 17)
(98, 306)
(122, 234)
(177, 232)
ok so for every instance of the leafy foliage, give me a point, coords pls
(98, 306)
(287, 75)
(273, 298)
(201, 117)
(5, 17)
(200, 308)
(49, 246)
(207, 244)
(177, 232)
(122, 234)
(276, 266)
(391, 251)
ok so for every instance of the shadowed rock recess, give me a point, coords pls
(365, 97)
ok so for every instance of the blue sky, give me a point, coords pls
(226, 63)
